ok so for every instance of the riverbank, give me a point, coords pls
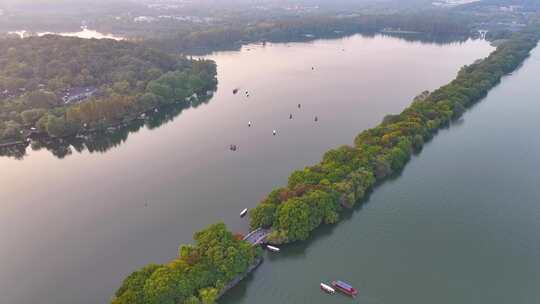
(10, 144)
(202, 272)
(18, 148)
(239, 278)
(148, 79)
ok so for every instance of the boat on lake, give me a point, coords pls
(345, 288)
(244, 212)
(327, 289)
(272, 248)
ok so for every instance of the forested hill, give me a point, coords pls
(62, 86)
(61, 63)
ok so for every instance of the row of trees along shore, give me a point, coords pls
(318, 194)
(127, 79)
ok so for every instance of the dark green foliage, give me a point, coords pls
(196, 276)
(131, 291)
(229, 34)
(298, 216)
(313, 195)
(263, 216)
(128, 79)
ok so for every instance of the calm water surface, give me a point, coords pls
(73, 228)
(460, 225)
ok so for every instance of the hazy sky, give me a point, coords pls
(79, 5)
(71, 2)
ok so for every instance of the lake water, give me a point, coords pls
(460, 225)
(73, 228)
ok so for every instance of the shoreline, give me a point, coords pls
(240, 277)
(13, 144)
(146, 115)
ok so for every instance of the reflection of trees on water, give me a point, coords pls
(16, 151)
(103, 141)
(429, 38)
(409, 37)
(424, 38)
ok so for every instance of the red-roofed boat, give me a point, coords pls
(345, 288)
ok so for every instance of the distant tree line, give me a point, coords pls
(231, 34)
(316, 194)
(128, 79)
(196, 276)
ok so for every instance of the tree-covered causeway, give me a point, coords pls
(319, 194)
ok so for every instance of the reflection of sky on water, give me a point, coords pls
(78, 225)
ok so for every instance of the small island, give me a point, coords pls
(57, 87)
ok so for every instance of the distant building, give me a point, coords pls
(4, 93)
(144, 19)
(452, 3)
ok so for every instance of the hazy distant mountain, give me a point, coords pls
(65, 4)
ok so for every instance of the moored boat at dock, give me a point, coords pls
(272, 248)
(244, 212)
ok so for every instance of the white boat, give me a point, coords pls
(272, 248)
(244, 212)
(327, 289)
